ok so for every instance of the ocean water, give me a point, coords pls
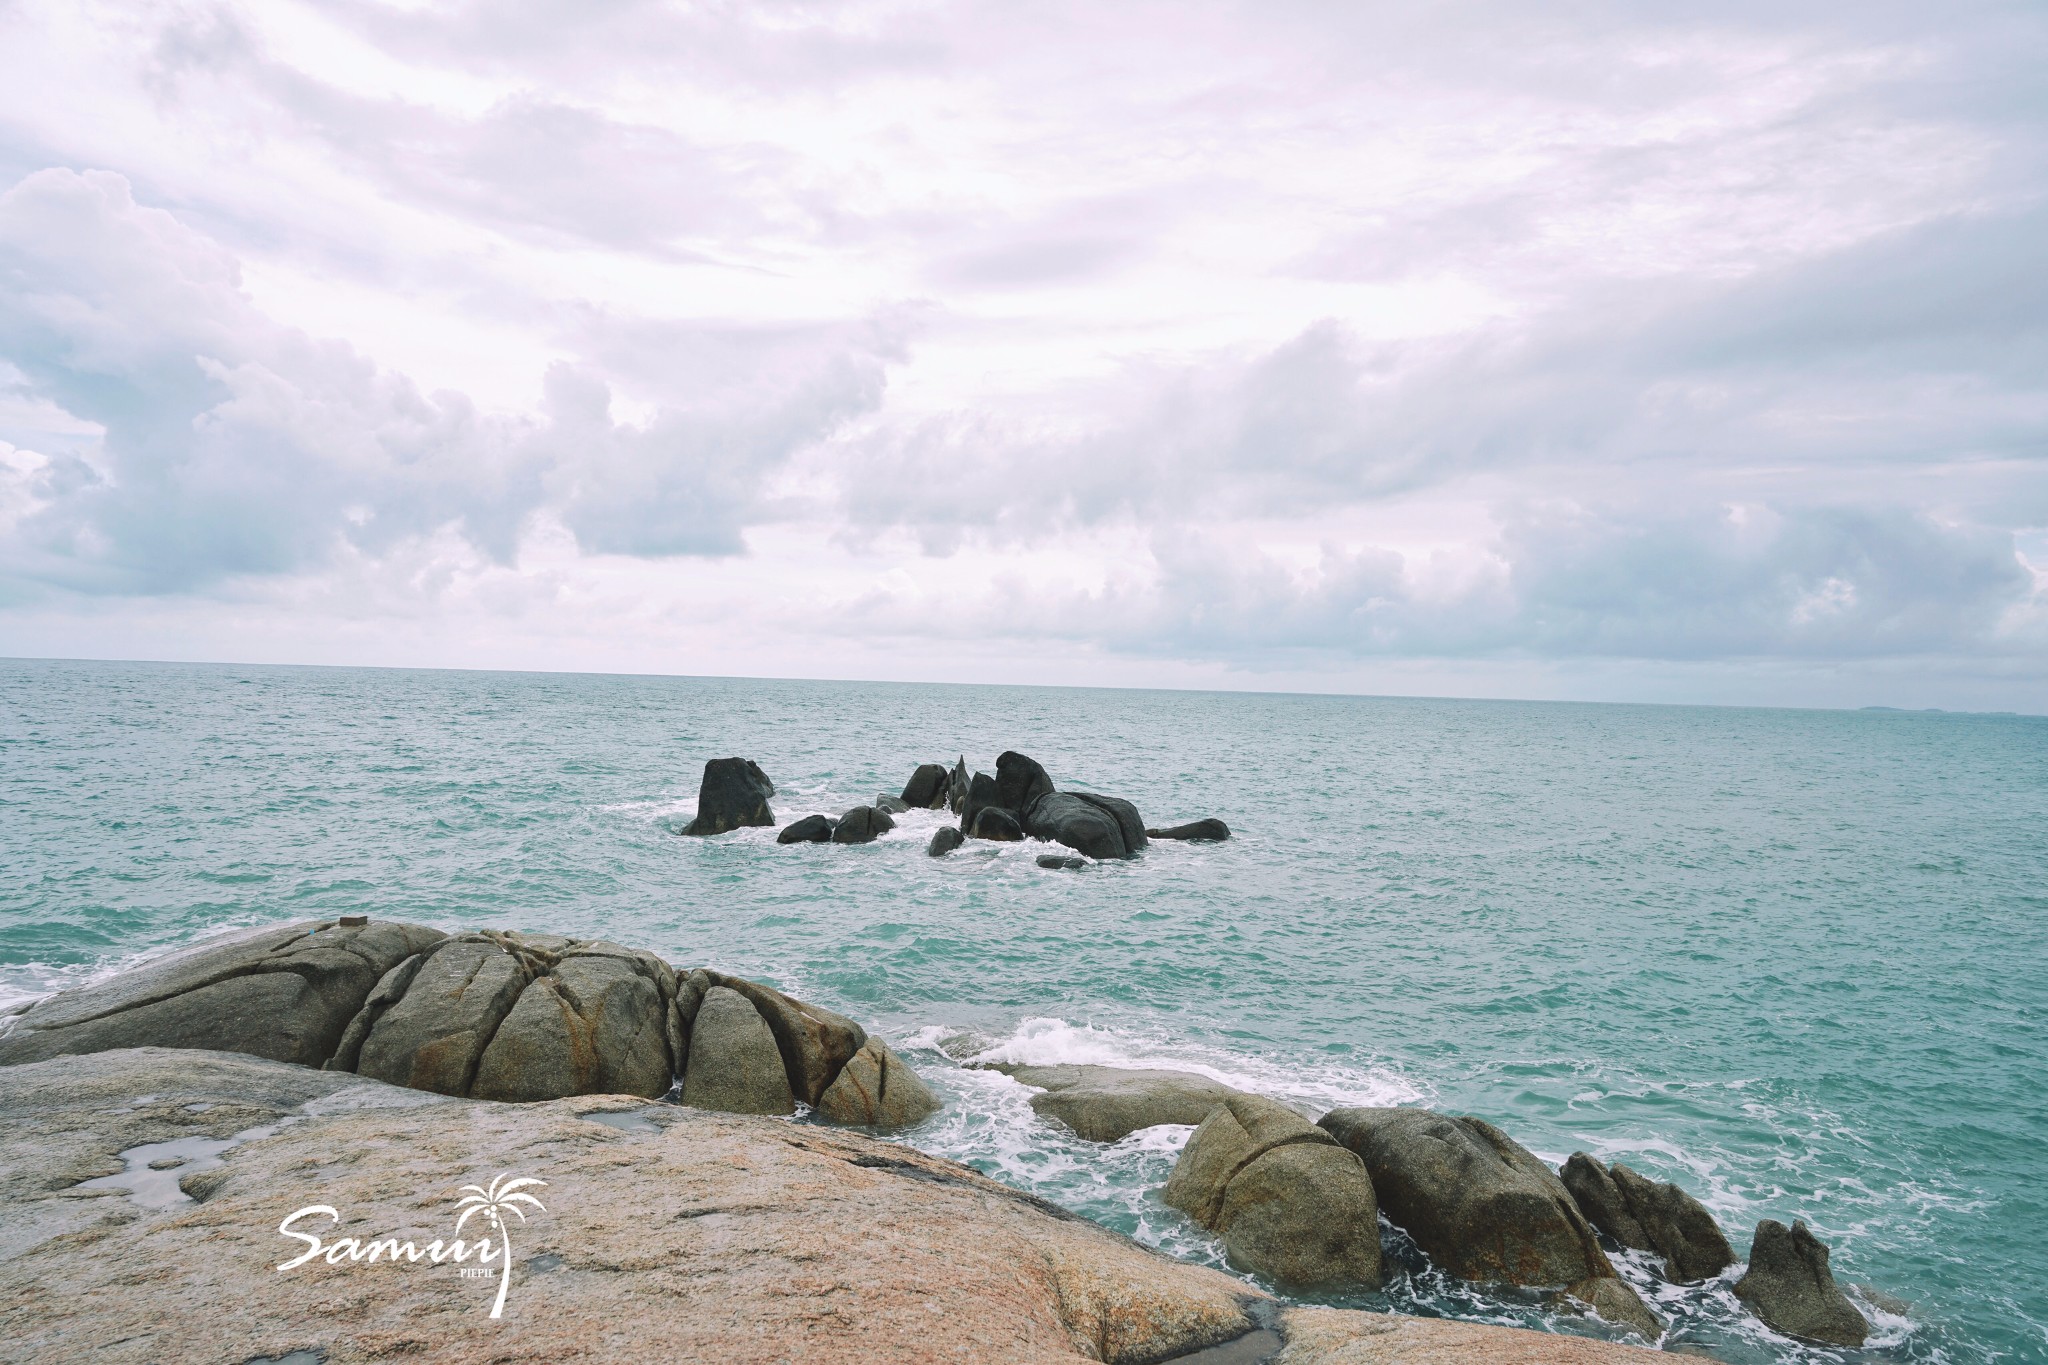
(1794, 960)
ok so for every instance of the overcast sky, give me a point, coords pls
(1638, 350)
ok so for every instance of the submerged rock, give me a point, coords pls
(734, 793)
(812, 829)
(945, 840)
(876, 1089)
(729, 1224)
(1061, 862)
(1288, 1202)
(1790, 1286)
(1640, 1213)
(1108, 1104)
(1481, 1206)
(926, 789)
(890, 805)
(1211, 830)
(861, 825)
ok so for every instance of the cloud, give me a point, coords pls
(235, 445)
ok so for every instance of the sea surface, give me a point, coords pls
(1794, 960)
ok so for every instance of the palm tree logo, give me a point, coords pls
(503, 1197)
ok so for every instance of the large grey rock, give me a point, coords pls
(1476, 1202)
(813, 1041)
(1130, 825)
(996, 824)
(877, 1089)
(981, 795)
(1288, 1202)
(1107, 1103)
(1641, 1213)
(1020, 781)
(287, 994)
(812, 829)
(734, 793)
(734, 1065)
(432, 1036)
(944, 840)
(926, 789)
(1067, 818)
(861, 825)
(1211, 830)
(733, 1226)
(596, 1023)
(1790, 1285)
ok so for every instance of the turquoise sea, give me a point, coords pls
(1794, 960)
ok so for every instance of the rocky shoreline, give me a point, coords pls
(176, 1112)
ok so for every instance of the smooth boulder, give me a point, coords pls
(1130, 825)
(1108, 1103)
(877, 1089)
(733, 794)
(861, 825)
(812, 829)
(926, 789)
(433, 1036)
(981, 795)
(1067, 818)
(1211, 830)
(1020, 781)
(734, 1063)
(287, 994)
(890, 805)
(1642, 1213)
(595, 1023)
(993, 822)
(944, 840)
(1790, 1286)
(814, 1042)
(1309, 1218)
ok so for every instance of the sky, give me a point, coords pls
(1600, 351)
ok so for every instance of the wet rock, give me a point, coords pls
(1612, 1300)
(877, 1089)
(1020, 782)
(1313, 1219)
(287, 994)
(1066, 818)
(1108, 1104)
(1212, 830)
(734, 793)
(734, 1065)
(926, 789)
(1130, 825)
(1476, 1202)
(812, 829)
(981, 796)
(1060, 862)
(957, 783)
(890, 805)
(861, 825)
(1790, 1286)
(944, 841)
(993, 822)
(1641, 1213)
(595, 1023)
(814, 1042)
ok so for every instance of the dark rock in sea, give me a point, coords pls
(981, 796)
(945, 841)
(1059, 861)
(1128, 823)
(1640, 1213)
(861, 825)
(1791, 1287)
(890, 805)
(956, 786)
(1020, 781)
(1066, 818)
(993, 822)
(1108, 1104)
(926, 789)
(876, 1089)
(1611, 1298)
(286, 994)
(1479, 1204)
(734, 793)
(1288, 1202)
(734, 1064)
(1200, 830)
(812, 829)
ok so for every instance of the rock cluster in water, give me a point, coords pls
(489, 1016)
(1019, 802)
(1298, 1202)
